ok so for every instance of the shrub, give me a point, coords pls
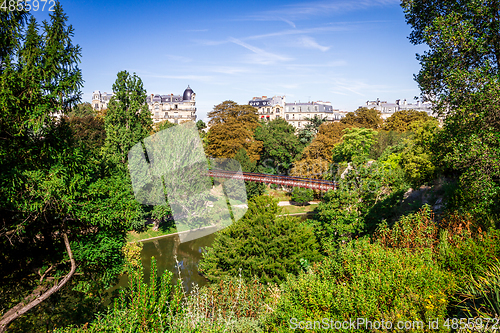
(417, 230)
(302, 195)
(261, 244)
(468, 256)
(229, 305)
(369, 281)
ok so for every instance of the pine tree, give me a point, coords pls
(128, 119)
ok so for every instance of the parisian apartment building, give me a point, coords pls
(270, 108)
(174, 108)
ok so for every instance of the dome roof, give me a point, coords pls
(187, 94)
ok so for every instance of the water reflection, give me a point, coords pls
(164, 250)
(188, 255)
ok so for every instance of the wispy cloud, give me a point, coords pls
(259, 55)
(310, 43)
(335, 63)
(227, 70)
(344, 87)
(203, 78)
(178, 58)
(299, 32)
(306, 9)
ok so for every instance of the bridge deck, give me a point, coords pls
(316, 184)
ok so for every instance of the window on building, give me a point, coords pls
(157, 114)
(299, 123)
(278, 110)
(166, 115)
(176, 114)
(293, 116)
(175, 106)
(97, 106)
(316, 108)
(286, 117)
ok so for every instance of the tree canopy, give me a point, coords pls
(400, 121)
(231, 129)
(280, 145)
(64, 211)
(128, 118)
(462, 35)
(363, 117)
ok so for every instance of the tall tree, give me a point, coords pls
(459, 74)
(363, 117)
(253, 189)
(128, 118)
(316, 158)
(400, 121)
(461, 35)
(311, 128)
(231, 129)
(63, 216)
(280, 145)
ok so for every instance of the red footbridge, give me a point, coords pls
(315, 184)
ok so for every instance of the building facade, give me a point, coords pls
(269, 108)
(387, 109)
(294, 113)
(174, 108)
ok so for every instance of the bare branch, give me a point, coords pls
(38, 295)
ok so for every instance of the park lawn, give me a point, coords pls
(278, 194)
(298, 209)
(133, 236)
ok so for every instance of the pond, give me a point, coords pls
(188, 254)
(165, 249)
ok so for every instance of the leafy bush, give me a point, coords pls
(369, 281)
(140, 307)
(261, 244)
(302, 195)
(417, 230)
(468, 256)
(229, 305)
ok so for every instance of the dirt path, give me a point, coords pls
(287, 203)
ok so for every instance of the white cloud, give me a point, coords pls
(178, 58)
(259, 56)
(310, 43)
(302, 10)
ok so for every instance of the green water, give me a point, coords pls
(164, 250)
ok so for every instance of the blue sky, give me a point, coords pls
(342, 51)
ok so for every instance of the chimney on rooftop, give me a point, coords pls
(264, 97)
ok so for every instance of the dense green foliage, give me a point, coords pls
(128, 118)
(363, 117)
(260, 244)
(301, 195)
(364, 280)
(253, 189)
(231, 129)
(410, 233)
(280, 145)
